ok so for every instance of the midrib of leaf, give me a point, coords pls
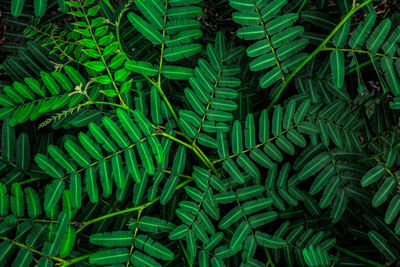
(134, 236)
(208, 106)
(53, 195)
(256, 146)
(270, 42)
(110, 256)
(107, 157)
(338, 173)
(201, 203)
(282, 133)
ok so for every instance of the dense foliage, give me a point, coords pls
(200, 133)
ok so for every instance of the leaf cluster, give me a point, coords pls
(133, 133)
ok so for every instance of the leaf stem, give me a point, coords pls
(258, 145)
(76, 260)
(315, 52)
(107, 103)
(302, 6)
(273, 51)
(376, 155)
(141, 207)
(170, 108)
(208, 106)
(134, 236)
(118, 23)
(194, 147)
(270, 262)
(29, 181)
(15, 243)
(359, 257)
(185, 254)
(356, 51)
(162, 46)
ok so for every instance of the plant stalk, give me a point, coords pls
(315, 52)
(359, 257)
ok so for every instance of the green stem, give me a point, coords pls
(377, 155)
(185, 254)
(302, 6)
(271, 44)
(258, 145)
(134, 236)
(162, 46)
(270, 262)
(359, 257)
(177, 140)
(107, 103)
(157, 84)
(118, 23)
(194, 148)
(315, 52)
(362, 65)
(108, 157)
(207, 161)
(141, 207)
(377, 73)
(76, 260)
(170, 108)
(208, 106)
(29, 181)
(356, 51)
(15, 243)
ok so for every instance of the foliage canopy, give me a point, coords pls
(200, 133)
